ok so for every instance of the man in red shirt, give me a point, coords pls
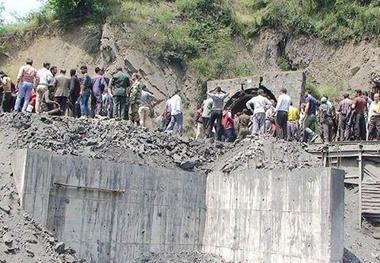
(359, 107)
(228, 126)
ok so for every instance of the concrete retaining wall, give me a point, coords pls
(276, 216)
(112, 212)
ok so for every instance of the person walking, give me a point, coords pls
(359, 107)
(310, 117)
(26, 79)
(175, 103)
(74, 94)
(344, 110)
(85, 92)
(218, 96)
(135, 99)
(260, 105)
(44, 77)
(281, 111)
(62, 90)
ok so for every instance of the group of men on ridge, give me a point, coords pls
(125, 97)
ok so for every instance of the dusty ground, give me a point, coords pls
(116, 141)
(21, 238)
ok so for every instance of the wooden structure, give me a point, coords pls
(361, 163)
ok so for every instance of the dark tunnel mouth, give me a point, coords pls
(237, 103)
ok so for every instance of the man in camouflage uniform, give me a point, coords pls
(134, 99)
(326, 120)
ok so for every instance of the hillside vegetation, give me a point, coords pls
(200, 35)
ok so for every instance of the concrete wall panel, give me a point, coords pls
(112, 212)
(278, 216)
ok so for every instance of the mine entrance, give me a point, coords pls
(239, 100)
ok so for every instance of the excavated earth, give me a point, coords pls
(23, 240)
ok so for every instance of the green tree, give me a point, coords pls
(81, 9)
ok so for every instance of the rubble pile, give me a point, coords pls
(180, 257)
(22, 239)
(266, 152)
(110, 140)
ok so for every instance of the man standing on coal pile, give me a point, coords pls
(175, 103)
(218, 96)
(6, 100)
(260, 105)
(344, 110)
(374, 119)
(62, 90)
(206, 114)
(74, 94)
(359, 107)
(26, 79)
(282, 109)
(325, 117)
(85, 92)
(44, 78)
(293, 116)
(119, 87)
(310, 118)
(98, 84)
(135, 99)
(146, 106)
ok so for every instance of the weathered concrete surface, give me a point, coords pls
(110, 212)
(276, 216)
(293, 81)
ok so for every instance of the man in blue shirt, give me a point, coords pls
(310, 117)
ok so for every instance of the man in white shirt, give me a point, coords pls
(282, 108)
(44, 78)
(175, 103)
(206, 113)
(260, 105)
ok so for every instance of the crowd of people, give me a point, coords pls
(123, 97)
(54, 92)
(356, 118)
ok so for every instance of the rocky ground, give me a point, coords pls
(181, 257)
(110, 140)
(23, 240)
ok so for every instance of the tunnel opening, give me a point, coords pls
(237, 103)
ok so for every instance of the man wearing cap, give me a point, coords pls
(62, 90)
(44, 79)
(26, 78)
(119, 86)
